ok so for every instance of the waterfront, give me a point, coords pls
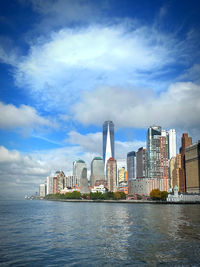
(49, 233)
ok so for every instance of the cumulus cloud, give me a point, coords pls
(178, 107)
(71, 60)
(23, 116)
(92, 143)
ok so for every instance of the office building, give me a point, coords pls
(78, 166)
(121, 175)
(97, 170)
(185, 142)
(111, 173)
(49, 182)
(131, 165)
(192, 168)
(58, 182)
(42, 190)
(84, 181)
(153, 152)
(171, 135)
(108, 142)
(141, 162)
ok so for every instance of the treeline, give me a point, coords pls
(156, 194)
(93, 196)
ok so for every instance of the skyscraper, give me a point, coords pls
(153, 151)
(108, 141)
(111, 173)
(131, 165)
(171, 134)
(141, 162)
(185, 141)
(78, 166)
(97, 170)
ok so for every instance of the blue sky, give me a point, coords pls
(67, 66)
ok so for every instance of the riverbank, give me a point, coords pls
(124, 201)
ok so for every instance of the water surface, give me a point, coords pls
(47, 233)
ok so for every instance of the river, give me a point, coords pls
(49, 233)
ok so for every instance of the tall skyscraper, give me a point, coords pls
(97, 170)
(131, 165)
(108, 141)
(111, 173)
(192, 168)
(141, 162)
(78, 166)
(171, 134)
(153, 150)
(185, 142)
(58, 181)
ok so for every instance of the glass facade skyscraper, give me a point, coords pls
(131, 165)
(108, 141)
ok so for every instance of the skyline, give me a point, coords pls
(66, 67)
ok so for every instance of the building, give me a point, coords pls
(141, 162)
(70, 181)
(143, 186)
(58, 182)
(175, 171)
(99, 188)
(121, 163)
(111, 173)
(84, 182)
(42, 190)
(108, 142)
(164, 176)
(78, 166)
(121, 175)
(131, 165)
(171, 135)
(49, 182)
(185, 142)
(153, 151)
(97, 170)
(192, 167)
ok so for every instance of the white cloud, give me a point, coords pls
(23, 116)
(56, 69)
(178, 107)
(92, 143)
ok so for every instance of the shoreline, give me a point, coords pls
(124, 201)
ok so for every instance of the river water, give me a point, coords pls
(47, 233)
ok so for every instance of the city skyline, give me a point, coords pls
(68, 66)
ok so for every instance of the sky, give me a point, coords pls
(67, 66)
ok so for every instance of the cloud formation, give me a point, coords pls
(178, 107)
(24, 116)
(57, 68)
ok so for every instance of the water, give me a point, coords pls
(45, 233)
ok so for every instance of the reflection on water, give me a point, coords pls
(98, 234)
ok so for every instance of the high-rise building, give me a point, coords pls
(58, 182)
(111, 173)
(157, 156)
(175, 171)
(171, 134)
(141, 162)
(192, 167)
(108, 141)
(42, 190)
(97, 170)
(78, 166)
(121, 175)
(49, 182)
(153, 151)
(121, 163)
(84, 181)
(185, 142)
(131, 165)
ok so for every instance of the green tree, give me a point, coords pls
(164, 195)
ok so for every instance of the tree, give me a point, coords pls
(155, 194)
(164, 195)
